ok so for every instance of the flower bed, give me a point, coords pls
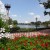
(25, 43)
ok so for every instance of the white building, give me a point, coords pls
(3, 13)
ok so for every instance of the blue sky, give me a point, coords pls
(25, 11)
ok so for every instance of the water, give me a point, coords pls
(30, 26)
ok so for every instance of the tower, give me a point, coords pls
(7, 6)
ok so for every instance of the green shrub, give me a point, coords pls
(14, 29)
(25, 43)
(3, 40)
(7, 29)
(1, 23)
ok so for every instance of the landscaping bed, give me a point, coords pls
(26, 43)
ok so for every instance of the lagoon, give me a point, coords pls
(30, 26)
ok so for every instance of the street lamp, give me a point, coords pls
(36, 23)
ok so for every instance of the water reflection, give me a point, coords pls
(30, 26)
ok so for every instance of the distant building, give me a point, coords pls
(3, 13)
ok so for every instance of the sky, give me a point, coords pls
(25, 11)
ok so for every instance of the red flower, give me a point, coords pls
(25, 44)
(2, 48)
(39, 37)
(46, 34)
(16, 38)
(43, 45)
(46, 44)
(36, 41)
(34, 49)
(25, 41)
(31, 43)
(9, 49)
(21, 42)
(29, 37)
(41, 41)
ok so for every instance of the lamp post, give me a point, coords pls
(36, 23)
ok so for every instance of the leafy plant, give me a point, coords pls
(25, 43)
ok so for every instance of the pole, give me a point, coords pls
(36, 23)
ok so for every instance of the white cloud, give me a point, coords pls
(34, 15)
(26, 22)
(14, 15)
(41, 5)
(31, 13)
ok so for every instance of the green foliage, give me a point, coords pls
(25, 43)
(10, 21)
(1, 23)
(15, 22)
(14, 29)
(26, 29)
(7, 29)
(4, 24)
(45, 24)
(3, 40)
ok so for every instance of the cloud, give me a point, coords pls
(31, 13)
(26, 22)
(34, 15)
(14, 15)
(41, 5)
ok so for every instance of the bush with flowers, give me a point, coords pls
(25, 43)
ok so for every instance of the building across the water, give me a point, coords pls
(3, 13)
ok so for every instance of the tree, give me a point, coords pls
(15, 28)
(6, 28)
(32, 22)
(15, 22)
(46, 23)
(1, 23)
(10, 21)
